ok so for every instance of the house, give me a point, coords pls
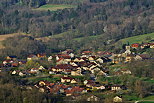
(79, 60)
(7, 62)
(21, 62)
(91, 58)
(118, 87)
(62, 68)
(21, 74)
(129, 58)
(135, 45)
(41, 55)
(145, 45)
(104, 53)
(128, 51)
(73, 64)
(96, 69)
(99, 87)
(41, 68)
(117, 99)
(68, 80)
(74, 91)
(14, 72)
(45, 83)
(32, 57)
(15, 64)
(86, 52)
(10, 63)
(11, 57)
(67, 51)
(117, 58)
(89, 83)
(76, 73)
(101, 73)
(151, 45)
(50, 58)
(100, 60)
(138, 57)
(71, 55)
(62, 61)
(126, 71)
(34, 71)
(93, 98)
(64, 56)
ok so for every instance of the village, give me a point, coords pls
(73, 75)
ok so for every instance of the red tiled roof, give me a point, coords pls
(14, 64)
(104, 53)
(73, 90)
(86, 52)
(65, 56)
(135, 45)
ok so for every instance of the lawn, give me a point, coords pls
(87, 38)
(149, 98)
(52, 7)
(131, 97)
(138, 39)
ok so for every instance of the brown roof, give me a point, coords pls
(67, 78)
(151, 44)
(63, 66)
(73, 90)
(65, 56)
(31, 56)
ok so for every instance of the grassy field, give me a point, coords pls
(138, 39)
(52, 7)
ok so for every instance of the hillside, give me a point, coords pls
(138, 39)
(88, 25)
(6, 36)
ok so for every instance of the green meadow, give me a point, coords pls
(52, 7)
(138, 39)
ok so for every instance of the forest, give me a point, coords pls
(88, 26)
(94, 25)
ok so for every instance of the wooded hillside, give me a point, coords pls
(105, 20)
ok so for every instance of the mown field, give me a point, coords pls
(53, 7)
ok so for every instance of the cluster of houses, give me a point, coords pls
(68, 65)
(143, 45)
(128, 56)
(69, 90)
